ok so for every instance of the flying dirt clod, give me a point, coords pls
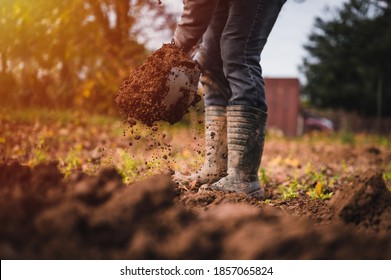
(162, 89)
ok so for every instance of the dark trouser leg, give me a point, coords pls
(216, 87)
(245, 34)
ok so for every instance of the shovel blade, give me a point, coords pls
(181, 80)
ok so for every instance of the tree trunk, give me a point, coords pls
(122, 25)
(4, 67)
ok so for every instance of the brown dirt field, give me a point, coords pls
(45, 216)
(80, 207)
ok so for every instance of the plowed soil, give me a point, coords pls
(45, 216)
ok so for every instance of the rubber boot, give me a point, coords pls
(246, 133)
(215, 164)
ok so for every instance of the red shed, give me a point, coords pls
(282, 95)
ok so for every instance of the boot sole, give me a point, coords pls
(198, 182)
(258, 194)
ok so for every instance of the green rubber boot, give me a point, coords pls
(246, 133)
(215, 164)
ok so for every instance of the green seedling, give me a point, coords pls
(267, 201)
(291, 190)
(72, 161)
(127, 166)
(319, 180)
(264, 178)
(318, 192)
(39, 156)
(38, 153)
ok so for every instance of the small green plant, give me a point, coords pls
(72, 161)
(289, 193)
(317, 182)
(291, 190)
(267, 201)
(318, 192)
(38, 153)
(38, 157)
(308, 168)
(264, 178)
(127, 166)
(387, 176)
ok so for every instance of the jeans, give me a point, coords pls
(230, 52)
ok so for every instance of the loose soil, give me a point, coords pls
(141, 96)
(52, 211)
(45, 216)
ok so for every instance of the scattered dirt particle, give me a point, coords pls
(131, 122)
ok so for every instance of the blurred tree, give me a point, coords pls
(348, 62)
(74, 52)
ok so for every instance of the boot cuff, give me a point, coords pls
(215, 110)
(241, 111)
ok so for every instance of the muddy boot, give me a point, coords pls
(246, 134)
(215, 164)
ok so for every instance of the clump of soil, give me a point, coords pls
(142, 95)
(365, 202)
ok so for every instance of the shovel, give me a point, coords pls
(182, 83)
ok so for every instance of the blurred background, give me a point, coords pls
(73, 55)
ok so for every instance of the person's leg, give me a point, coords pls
(208, 56)
(245, 34)
(217, 94)
(243, 39)
(216, 154)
